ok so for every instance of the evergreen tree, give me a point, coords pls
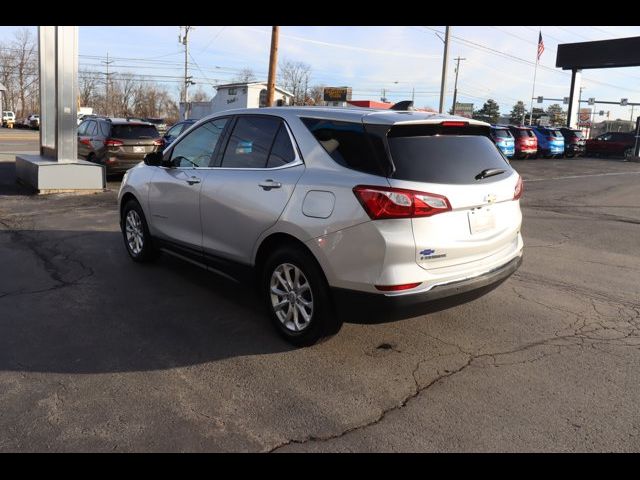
(515, 117)
(490, 112)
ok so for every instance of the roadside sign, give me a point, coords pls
(544, 121)
(592, 101)
(624, 101)
(336, 94)
(464, 109)
(565, 100)
(540, 99)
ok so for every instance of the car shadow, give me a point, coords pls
(74, 302)
(9, 185)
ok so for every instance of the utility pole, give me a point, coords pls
(455, 88)
(413, 94)
(106, 95)
(273, 63)
(445, 61)
(184, 40)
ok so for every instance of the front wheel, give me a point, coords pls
(135, 231)
(628, 153)
(297, 297)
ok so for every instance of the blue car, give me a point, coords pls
(550, 141)
(504, 140)
(175, 131)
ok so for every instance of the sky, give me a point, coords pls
(499, 60)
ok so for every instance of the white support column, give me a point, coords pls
(573, 112)
(58, 168)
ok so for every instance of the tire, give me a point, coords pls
(628, 153)
(289, 320)
(135, 232)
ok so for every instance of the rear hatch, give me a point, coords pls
(525, 139)
(463, 165)
(504, 140)
(556, 140)
(132, 141)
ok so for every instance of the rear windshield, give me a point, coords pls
(454, 159)
(133, 131)
(523, 132)
(502, 133)
(575, 133)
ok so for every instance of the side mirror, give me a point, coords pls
(153, 159)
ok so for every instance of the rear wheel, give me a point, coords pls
(628, 153)
(297, 297)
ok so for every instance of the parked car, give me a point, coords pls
(612, 143)
(160, 123)
(8, 118)
(85, 116)
(116, 143)
(33, 121)
(526, 142)
(550, 141)
(326, 208)
(175, 131)
(503, 139)
(574, 142)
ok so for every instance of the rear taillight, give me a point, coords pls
(396, 288)
(517, 193)
(85, 141)
(159, 142)
(551, 139)
(110, 142)
(388, 202)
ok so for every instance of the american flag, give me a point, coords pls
(540, 45)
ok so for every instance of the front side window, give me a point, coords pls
(198, 147)
(250, 142)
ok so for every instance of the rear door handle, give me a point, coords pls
(269, 184)
(193, 180)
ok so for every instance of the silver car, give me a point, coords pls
(332, 210)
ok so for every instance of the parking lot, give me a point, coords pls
(98, 353)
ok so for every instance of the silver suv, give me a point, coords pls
(329, 208)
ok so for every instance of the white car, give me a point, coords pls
(327, 207)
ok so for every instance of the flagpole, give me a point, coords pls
(533, 90)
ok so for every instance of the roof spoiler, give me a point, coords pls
(405, 105)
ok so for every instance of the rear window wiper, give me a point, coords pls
(489, 172)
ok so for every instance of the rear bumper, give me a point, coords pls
(440, 297)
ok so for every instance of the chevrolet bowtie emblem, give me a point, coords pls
(490, 198)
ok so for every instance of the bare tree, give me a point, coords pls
(26, 72)
(88, 87)
(246, 75)
(315, 95)
(200, 96)
(295, 78)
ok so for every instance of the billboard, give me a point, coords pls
(584, 117)
(464, 109)
(336, 94)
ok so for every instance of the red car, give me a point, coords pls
(612, 143)
(526, 141)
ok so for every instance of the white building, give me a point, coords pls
(237, 95)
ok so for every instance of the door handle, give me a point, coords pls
(193, 180)
(269, 184)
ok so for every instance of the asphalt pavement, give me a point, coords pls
(98, 353)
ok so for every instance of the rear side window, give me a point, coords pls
(250, 142)
(282, 151)
(104, 128)
(453, 159)
(346, 142)
(91, 128)
(132, 131)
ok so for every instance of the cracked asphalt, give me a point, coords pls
(100, 354)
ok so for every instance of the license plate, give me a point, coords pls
(138, 149)
(481, 220)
